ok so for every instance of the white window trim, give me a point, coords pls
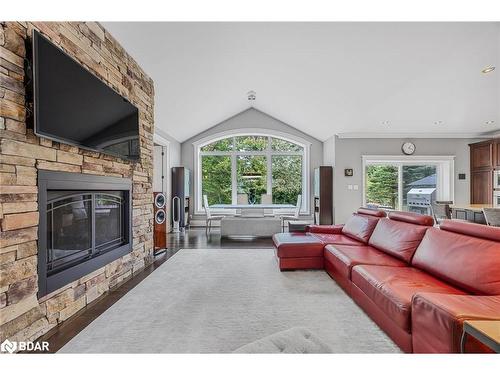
(305, 209)
(445, 171)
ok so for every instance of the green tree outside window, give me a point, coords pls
(252, 153)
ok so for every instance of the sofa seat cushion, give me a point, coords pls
(392, 289)
(297, 245)
(336, 239)
(344, 258)
(437, 321)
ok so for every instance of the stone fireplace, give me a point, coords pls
(56, 254)
(85, 223)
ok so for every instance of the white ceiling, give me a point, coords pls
(322, 78)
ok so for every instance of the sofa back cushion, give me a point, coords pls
(472, 229)
(371, 212)
(465, 255)
(400, 234)
(412, 218)
(360, 227)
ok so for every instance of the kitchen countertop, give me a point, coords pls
(472, 207)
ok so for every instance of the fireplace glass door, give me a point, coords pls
(82, 225)
(108, 221)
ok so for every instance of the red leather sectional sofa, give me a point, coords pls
(417, 282)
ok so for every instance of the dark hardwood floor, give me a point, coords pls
(195, 238)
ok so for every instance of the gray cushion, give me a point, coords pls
(293, 340)
(250, 226)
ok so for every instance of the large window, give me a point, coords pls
(250, 168)
(287, 178)
(216, 178)
(251, 178)
(388, 179)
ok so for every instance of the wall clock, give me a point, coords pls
(408, 148)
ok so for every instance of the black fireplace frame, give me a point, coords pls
(54, 180)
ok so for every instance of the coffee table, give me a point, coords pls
(485, 331)
(297, 226)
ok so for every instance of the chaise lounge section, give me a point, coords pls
(417, 282)
(306, 250)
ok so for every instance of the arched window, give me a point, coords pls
(251, 168)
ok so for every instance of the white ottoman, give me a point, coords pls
(293, 340)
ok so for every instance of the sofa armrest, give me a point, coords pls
(437, 320)
(327, 229)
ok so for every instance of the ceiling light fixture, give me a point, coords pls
(439, 122)
(489, 122)
(251, 95)
(488, 69)
(385, 123)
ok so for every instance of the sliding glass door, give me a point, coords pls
(382, 186)
(388, 182)
(417, 177)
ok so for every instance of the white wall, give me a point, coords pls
(329, 151)
(255, 119)
(158, 164)
(348, 154)
(174, 152)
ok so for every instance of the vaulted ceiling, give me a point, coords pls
(322, 78)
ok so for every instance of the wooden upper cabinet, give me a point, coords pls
(484, 158)
(481, 155)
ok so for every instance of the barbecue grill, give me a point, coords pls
(420, 200)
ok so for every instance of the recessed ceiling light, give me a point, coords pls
(439, 122)
(488, 69)
(489, 122)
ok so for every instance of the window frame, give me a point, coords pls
(268, 152)
(445, 173)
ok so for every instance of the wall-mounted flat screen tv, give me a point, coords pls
(71, 105)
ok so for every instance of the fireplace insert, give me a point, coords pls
(85, 223)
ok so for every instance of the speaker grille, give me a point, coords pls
(160, 216)
(160, 200)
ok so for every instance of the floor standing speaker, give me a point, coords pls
(181, 185)
(160, 222)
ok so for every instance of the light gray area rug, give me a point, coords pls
(217, 300)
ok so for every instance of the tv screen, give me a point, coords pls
(73, 106)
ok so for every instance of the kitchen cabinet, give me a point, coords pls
(484, 159)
